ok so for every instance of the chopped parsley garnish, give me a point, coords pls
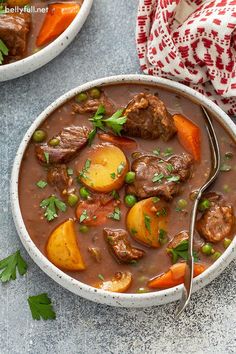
(173, 178)
(147, 222)
(83, 216)
(120, 168)
(41, 307)
(115, 195)
(133, 231)
(157, 152)
(170, 167)
(116, 215)
(3, 51)
(115, 122)
(180, 251)
(163, 238)
(100, 276)
(162, 212)
(225, 167)
(9, 266)
(70, 171)
(46, 155)
(52, 204)
(157, 177)
(113, 175)
(83, 173)
(168, 152)
(155, 200)
(41, 184)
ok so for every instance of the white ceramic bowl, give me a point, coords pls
(35, 61)
(101, 296)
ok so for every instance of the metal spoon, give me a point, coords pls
(215, 151)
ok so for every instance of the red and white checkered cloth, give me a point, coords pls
(200, 52)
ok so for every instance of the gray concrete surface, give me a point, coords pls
(104, 47)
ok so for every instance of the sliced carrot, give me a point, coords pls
(57, 19)
(96, 212)
(189, 135)
(117, 140)
(174, 276)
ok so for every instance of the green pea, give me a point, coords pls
(84, 193)
(207, 249)
(204, 205)
(130, 200)
(130, 177)
(72, 199)
(226, 188)
(54, 142)
(227, 242)
(39, 136)
(81, 97)
(95, 92)
(216, 255)
(182, 203)
(83, 229)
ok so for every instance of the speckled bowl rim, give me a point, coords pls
(75, 286)
(45, 55)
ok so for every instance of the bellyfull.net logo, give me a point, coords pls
(17, 9)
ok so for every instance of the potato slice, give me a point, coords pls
(62, 248)
(107, 168)
(118, 284)
(147, 221)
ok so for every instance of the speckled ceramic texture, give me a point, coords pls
(86, 291)
(45, 55)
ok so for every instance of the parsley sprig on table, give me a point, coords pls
(10, 264)
(3, 51)
(115, 122)
(52, 204)
(41, 307)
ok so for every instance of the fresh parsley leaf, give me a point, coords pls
(52, 204)
(162, 212)
(116, 215)
(83, 216)
(173, 178)
(70, 171)
(41, 184)
(113, 175)
(133, 231)
(46, 155)
(120, 168)
(83, 173)
(181, 251)
(97, 118)
(91, 136)
(163, 236)
(100, 276)
(170, 167)
(157, 177)
(155, 200)
(168, 152)
(10, 264)
(157, 152)
(41, 307)
(3, 50)
(147, 222)
(116, 121)
(115, 195)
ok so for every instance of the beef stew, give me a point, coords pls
(109, 205)
(26, 26)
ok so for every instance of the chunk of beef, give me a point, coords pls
(14, 29)
(120, 246)
(57, 176)
(157, 177)
(72, 139)
(217, 222)
(148, 118)
(180, 237)
(92, 104)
